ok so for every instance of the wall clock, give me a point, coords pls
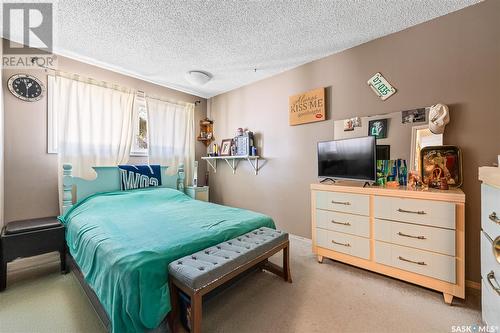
(26, 87)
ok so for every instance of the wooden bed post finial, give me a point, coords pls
(67, 187)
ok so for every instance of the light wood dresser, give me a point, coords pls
(490, 245)
(413, 235)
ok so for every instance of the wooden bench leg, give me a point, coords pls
(196, 313)
(286, 264)
(284, 270)
(263, 264)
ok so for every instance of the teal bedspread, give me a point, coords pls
(123, 242)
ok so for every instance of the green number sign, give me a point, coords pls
(381, 87)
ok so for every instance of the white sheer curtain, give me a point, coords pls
(171, 134)
(94, 124)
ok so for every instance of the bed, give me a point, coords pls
(121, 242)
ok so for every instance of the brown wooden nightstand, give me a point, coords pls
(26, 238)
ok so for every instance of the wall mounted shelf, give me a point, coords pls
(233, 161)
(206, 132)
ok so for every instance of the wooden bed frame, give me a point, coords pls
(76, 189)
(96, 304)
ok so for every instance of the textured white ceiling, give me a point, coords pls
(161, 40)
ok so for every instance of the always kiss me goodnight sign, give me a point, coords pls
(307, 107)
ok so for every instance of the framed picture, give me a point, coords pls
(441, 162)
(348, 125)
(356, 121)
(378, 128)
(225, 147)
(413, 116)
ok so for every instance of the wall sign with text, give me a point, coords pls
(307, 107)
(381, 86)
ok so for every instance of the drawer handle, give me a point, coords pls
(494, 218)
(346, 203)
(343, 244)
(421, 263)
(341, 223)
(490, 277)
(411, 236)
(420, 212)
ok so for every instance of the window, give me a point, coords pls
(161, 131)
(140, 142)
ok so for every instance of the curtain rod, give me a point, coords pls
(105, 84)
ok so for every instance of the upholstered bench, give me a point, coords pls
(201, 272)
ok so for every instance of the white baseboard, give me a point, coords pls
(300, 238)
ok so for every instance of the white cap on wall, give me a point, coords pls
(439, 116)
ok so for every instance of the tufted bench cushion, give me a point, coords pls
(201, 268)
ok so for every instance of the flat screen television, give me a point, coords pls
(348, 159)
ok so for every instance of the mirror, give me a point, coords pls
(422, 137)
(400, 134)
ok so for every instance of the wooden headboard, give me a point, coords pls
(75, 189)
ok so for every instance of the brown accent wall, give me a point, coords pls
(454, 59)
(31, 173)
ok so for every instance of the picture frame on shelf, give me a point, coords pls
(225, 147)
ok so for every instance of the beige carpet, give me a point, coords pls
(328, 297)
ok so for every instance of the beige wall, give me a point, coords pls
(454, 59)
(31, 173)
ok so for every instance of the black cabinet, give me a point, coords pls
(26, 238)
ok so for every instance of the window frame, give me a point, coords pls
(140, 108)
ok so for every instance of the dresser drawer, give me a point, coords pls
(490, 304)
(347, 223)
(435, 265)
(490, 210)
(421, 237)
(343, 202)
(340, 242)
(488, 260)
(433, 213)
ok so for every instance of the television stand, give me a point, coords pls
(366, 184)
(330, 179)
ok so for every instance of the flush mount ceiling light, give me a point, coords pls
(198, 78)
